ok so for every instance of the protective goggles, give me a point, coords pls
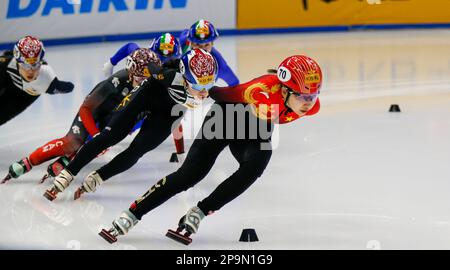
(201, 87)
(304, 97)
(27, 66)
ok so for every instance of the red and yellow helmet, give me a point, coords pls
(29, 51)
(139, 61)
(301, 74)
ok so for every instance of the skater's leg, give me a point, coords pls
(117, 129)
(62, 147)
(47, 152)
(252, 163)
(154, 130)
(65, 146)
(15, 102)
(199, 161)
(52, 149)
(107, 137)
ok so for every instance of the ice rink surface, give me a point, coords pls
(353, 176)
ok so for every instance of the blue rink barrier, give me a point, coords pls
(233, 32)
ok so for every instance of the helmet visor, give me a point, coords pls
(305, 97)
(201, 87)
(27, 66)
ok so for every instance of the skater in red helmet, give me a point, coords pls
(270, 99)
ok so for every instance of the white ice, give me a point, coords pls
(352, 177)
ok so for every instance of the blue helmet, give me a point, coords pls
(202, 32)
(167, 47)
(199, 68)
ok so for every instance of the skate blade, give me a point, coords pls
(78, 193)
(179, 237)
(49, 195)
(107, 236)
(45, 177)
(6, 179)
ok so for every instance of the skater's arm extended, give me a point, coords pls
(123, 52)
(55, 86)
(235, 94)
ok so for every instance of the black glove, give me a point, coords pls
(60, 87)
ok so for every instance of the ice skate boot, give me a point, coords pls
(17, 169)
(121, 226)
(61, 182)
(55, 168)
(90, 184)
(188, 223)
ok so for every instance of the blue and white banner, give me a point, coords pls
(56, 19)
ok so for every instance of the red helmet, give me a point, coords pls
(138, 62)
(301, 74)
(29, 51)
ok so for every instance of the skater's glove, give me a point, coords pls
(60, 87)
(65, 87)
(108, 69)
